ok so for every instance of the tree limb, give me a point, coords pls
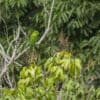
(48, 25)
(15, 49)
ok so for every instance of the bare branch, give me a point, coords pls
(44, 5)
(59, 95)
(21, 53)
(48, 25)
(7, 79)
(16, 37)
(3, 53)
(15, 49)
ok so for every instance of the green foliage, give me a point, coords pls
(94, 43)
(91, 53)
(72, 17)
(63, 60)
(38, 83)
(77, 20)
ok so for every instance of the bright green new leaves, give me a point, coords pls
(64, 61)
(29, 75)
(60, 71)
(42, 83)
(33, 38)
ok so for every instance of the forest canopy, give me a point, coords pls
(49, 50)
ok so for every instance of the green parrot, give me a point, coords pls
(33, 38)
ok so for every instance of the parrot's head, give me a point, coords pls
(35, 33)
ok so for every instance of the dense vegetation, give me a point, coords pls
(49, 50)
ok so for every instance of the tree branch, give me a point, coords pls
(48, 25)
(15, 49)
